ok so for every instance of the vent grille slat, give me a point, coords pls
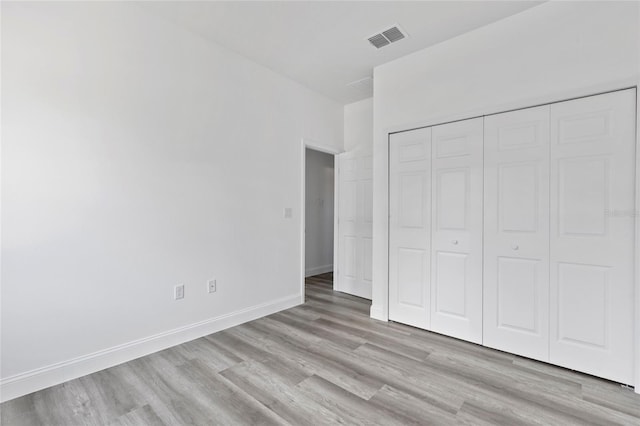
(393, 34)
(387, 37)
(378, 41)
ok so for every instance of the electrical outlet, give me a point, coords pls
(211, 286)
(178, 291)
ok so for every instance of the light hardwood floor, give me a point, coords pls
(326, 362)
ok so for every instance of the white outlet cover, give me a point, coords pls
(288, 212)
(211, 286)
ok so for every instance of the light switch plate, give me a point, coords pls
(179, 292)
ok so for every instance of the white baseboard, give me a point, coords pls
(44, 377)
(318, 270)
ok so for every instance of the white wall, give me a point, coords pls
(358, 127)
(319, 183)
(137, 156)
(553, 51)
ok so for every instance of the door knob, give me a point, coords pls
(514, 246)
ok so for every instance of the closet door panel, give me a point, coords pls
(456, 255)
(409, 226)
(592, 234)
(516, 232)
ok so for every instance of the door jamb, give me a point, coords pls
(636, 277)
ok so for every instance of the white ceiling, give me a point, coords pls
(322, 44)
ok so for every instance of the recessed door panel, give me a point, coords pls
(452, 198)
(452, 145)
(348, 200)
(518, 304)
(451, 284)
(518, 196)
(411, 268)
(411, 187)
(456, 255)
(592, 251)
(516, 232)
(584, 126)
(582, 304)
(412, 151)
(518, 136)
(350, 256)
(410, 227)
(349, 167)
(583, 195)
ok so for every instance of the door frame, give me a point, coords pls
(316, 146)
(637, 244)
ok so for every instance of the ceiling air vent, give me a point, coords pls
(393, 34)
(386, 37)
(378, 40)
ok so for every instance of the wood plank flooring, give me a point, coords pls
(325, 362)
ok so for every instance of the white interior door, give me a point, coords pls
(456, 253)
(516, 232)
(355, 224)
(592, 234)
(409, 226)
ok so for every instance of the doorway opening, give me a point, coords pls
(319, 218)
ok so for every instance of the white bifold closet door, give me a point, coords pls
(592, 234)
(516, 232)
(559, 233)
(410, 227)
(456, 230)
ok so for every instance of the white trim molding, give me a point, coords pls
(40, 378)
